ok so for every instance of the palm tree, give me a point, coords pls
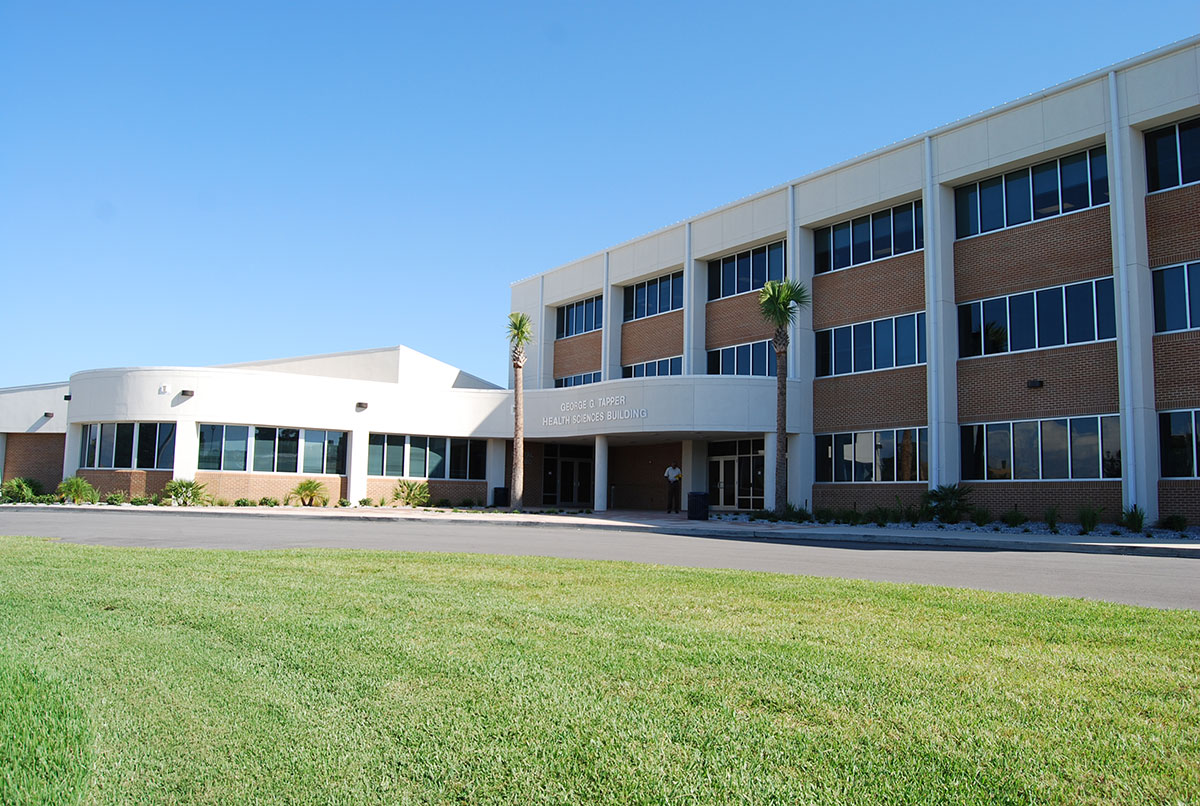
(520, 333)
(779, 303)
(309, 493)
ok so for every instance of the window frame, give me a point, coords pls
(830, 439)
(568, 313)
(1178, 157)
(1187, 269)
(824, 235)
(735, 257)
(983, 353)
(918, 317)
(1039, 422)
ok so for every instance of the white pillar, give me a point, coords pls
(187, 449)
(1135, 312)
(71, 450)
(694, 464)
(802, 358)
(497, 450)
(695, 302)
(941, 328)
(800, 470)
(769, 455)
(356, 464)
(614, 312)
(600, 474)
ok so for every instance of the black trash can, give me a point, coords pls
(500, 496)
(697, 506)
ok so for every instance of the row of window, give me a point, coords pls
(579, 317)
(577, 380)
(757, 358)
(1179, 443)
(118, 444)
(1050, 189)
(1173, 155)
(893, 455)
(1062, 448)
(1176, 298)
(427, 457)
(745, 271)
(271, 450)
(885, 343)
(1050, 317)
(871, 237)
(660, 295)
(651, 369)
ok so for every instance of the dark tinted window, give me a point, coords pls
(728, 276)
(147, 445)
(1085, 448)
(1045, 190)
(288, 450)
(991, 204)
(999, 452)
(1194, 293)
(758, 267)
(1162, 162)
(881, 234)
(639, 301)
(824, 358)
(628, 308)
(1098, 158)
(1110, 442)
(714, 279)
(1025, 450)
(841, 245)
(1073, 176)
(1170, 300)
(460, 449)
(1176, 444)
(1017, 197)
(843, 457)
(1021, 335)
(995, 326)
(906, 340)
(883, 344)
(1054, 449)
(966, 211)
(841, 350)
(651, 298)
(744, 367)
(477, 469)
(210, 448)
(1051, 329)
(862, 239)
(1189, 150)
(714, 363)
(728, 362)
(1106, 315)
(885, 455)
(166, 446)
(1081, 313)
(862, 347)
(237, 439)
(743, 272)
(970, 330)
(264, 449)
(918, 218)
(906, 454)
(676, 293)
(123, 452)
(902, 229)
(972, 452)
(921, 338)
(395, 455)
(775, 261)
(375, 445)
(823, 457)
(758, 358)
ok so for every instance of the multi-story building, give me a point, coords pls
(1011, 300)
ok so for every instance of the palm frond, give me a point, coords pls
(780, 301)
(519, 329)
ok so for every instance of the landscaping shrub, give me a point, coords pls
(948, 502)
(343, 502)
(880, 516)
(383, 502)
(20, 491)
(823, 515)
(468, 502)
(268, 501)
(411, 493)
(796, 514)
(139, 500)
(1134, 518)
(1176, 523)
(1089, 518)
(366, 502)
(186, 493)
(47, 498)
(1051, 518)
(243, 502)
(1014, 518)
(981, 516)
(221, 502)
(444, 503)
(78, 491)
(115, 499)
(309, 493)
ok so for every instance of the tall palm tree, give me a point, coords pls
(779, 303)
(520, 333)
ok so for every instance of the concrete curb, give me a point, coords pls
(815, 536)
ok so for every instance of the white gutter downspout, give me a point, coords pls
(1129, 455)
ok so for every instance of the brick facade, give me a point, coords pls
(866, 496)
(652, 338)
(458, 491)
(232, 486)
(871, 291)
(885, 399)
(577, 354)
(734, 320)
(635, 476)
(1050, 252)
(1032, 499)
(1081, 379)
(1172, 234)
(131, 482)
(1180, 497)
(35, 456)
(1177, 370)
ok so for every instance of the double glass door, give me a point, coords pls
(736, 474)
(722, 482)
(575, 482)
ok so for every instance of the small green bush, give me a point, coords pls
(383, 502)
(186, 493)
(366, 502)
(1176, 523)
(48, 498)
(308, 493)
(980, 516)
(221, 502)
(1089, 518)
(78, 491)
(20, 491)
(880, 516)
(796, 514)
(823, 515)
(411, 493)
(1050, 516)
(1134, 518)
(140, 500)
(468, 502)
(115, 499)
(1014, 518)
(268, 501)
(243, 502)
(343, 502)
(444, 503)
(948, 502)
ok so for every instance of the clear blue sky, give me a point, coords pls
(203, 183)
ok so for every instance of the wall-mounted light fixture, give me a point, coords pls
(66, 397)
(187, 392)
(1034, 384)
(360, 406)
(47, 414)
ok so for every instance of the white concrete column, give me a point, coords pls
(544, 327)
(71, 450)
(802, 358)
(187, 449)
(694, 464)
(614, 314)
(694, 300)
(769, 455)
(356, 464)
(497, 450)
(941, 328)
(1135, 311)
(600, 474)
(800, 470)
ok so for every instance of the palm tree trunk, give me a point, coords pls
(781, 430)
(518, 467)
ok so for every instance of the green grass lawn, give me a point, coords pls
(167, 676)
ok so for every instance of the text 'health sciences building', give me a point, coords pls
(1011, 301)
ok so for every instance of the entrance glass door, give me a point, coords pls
(574, 482)
(722, 482)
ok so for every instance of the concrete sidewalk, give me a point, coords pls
(658, 523)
